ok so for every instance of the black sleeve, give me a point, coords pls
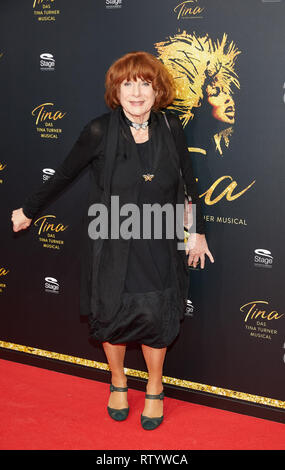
(187, 168)
(81, 154)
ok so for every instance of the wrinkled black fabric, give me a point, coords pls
(126, 298)
(149, 262)
(148, 312)
(151, 318)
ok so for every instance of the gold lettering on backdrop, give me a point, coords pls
(45, 226)
(197, 150)
(231, 220)
(184, 9)
(40, 2)
(226, 192)
(3, 271)
(253, 313)
(2, 166)
(42, 115)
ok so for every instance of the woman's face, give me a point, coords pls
(137, 98)
(222, 103)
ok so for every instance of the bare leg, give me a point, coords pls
(154, 359)
(115, 354)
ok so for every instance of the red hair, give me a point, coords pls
(141, 65)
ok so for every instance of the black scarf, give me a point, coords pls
(159, 133)
(119, 133)
(161, 141)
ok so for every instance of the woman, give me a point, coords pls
(131, 289)
(212, 123)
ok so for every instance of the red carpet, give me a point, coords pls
(46, 410)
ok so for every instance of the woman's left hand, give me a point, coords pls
(197, 248)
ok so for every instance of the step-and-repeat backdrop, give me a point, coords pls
(227, 57)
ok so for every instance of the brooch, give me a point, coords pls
(147, 177)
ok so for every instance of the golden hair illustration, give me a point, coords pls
(200, 65)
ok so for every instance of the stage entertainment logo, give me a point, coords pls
(48, 173)
(45, 120)
(189, 311)
(48, 231)
(47, 62)
(263, 258)
(51, 285)
(3, 273)
(189, 9)
(260, 320)
(45, 10)
(113, 4)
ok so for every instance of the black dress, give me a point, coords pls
(148, 311)
(145, 285)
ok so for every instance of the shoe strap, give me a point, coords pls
(113, 388)
(160, 396)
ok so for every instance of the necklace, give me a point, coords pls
(146, 176)
(136, 125)
(144, 125)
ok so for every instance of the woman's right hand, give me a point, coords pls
(20, 221)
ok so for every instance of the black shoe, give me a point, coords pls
(115, 413)
(152, 423)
